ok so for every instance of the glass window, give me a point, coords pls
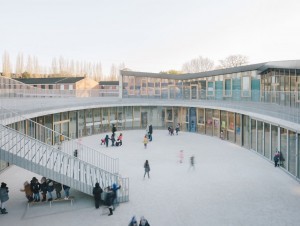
(200, 116)
(260, 137)
(253, 134)
(246, 86)
(227, 87)
(283, 147)
(210, 89)
(238, 129)
(292, 152)
(209, 122)
(128, 117)
(267, 145)
(246, 131)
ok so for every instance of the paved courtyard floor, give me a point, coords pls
(229, 186)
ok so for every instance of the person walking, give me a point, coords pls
(3, 197)
(112, 197)
(97, 191)
(147, 169)
(192, 162)
(276, 158)
(145, 141)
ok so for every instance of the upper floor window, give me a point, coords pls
(246, 86)
(227, 88)
(210, 88)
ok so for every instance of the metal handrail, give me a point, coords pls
(16, 148)
(85, 153)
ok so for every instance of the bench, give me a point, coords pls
(71, 199)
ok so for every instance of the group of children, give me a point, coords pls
(143, 222)
(114, 142)
(171, 129)
(45, 186)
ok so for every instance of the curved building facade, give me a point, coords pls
(253, 106)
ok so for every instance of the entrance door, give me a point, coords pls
(192, 120)
(216, 127)
(144, 121)
(194, 92)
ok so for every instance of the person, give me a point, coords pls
(103, 141)
(28, 191)
(35, 187)
(97, 191)
(112, 197)
(192, 162)
(133, 222)
(106, 140)
(58, 188)
(150, 131)
(50, 189)
(181, 156)
(145, 141)
(171, 131)
(61, 138)
(147, 168)
(114, 129)
(113, 139)
(276, 158)
(119, 140)
(177, 128)
(67, 191)
(3, 197)
(43, 188)
(222, 135)
(75, 153)
(144, 222)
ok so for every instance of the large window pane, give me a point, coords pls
(267, 141)
(283, 147)
(292, 152)
(260, 137)
(253, 134)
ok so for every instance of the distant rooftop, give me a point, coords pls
(58, 80)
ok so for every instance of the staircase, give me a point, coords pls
(31, 151)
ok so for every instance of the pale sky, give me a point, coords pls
(150, 35)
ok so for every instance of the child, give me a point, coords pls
(103, 141)
(145, 141)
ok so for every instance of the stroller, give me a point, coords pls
(103, 141)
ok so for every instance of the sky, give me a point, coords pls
(229, 186)
(150, 35)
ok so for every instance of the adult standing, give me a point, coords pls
(3, 197)
(97, 191)
(177, 128)
(150, 132)
(58, 188)
(112, 197)
(144, 222)
(114, 129)
(147, 168)
(276, 158)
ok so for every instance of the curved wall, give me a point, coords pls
(259, 133)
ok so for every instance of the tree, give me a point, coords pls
(171, 72)
(233, 61)
(6, 67)
(19, 65)
(199, 64)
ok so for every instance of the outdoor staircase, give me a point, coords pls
(58, 162)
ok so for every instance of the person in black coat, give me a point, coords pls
(43, 188)
(113, 139)
(114, 129)
(35, 187)
(97, 191)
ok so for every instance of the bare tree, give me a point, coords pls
(6, 66)
(19, 65)
(233, 61)
(29, 66)
(199, 64)
(113, 73)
